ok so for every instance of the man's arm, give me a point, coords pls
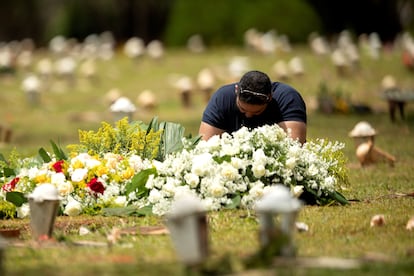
(297, 129)
(206, 131)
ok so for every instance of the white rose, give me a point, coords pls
(216, 189)
(191, 179)
(290, 163)
(23, 211)
(258, 170)
(229, 172)
(79, 175)
(73, 208)
(65, 188)
(297, 190)
(120, 201)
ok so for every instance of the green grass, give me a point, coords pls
(335, 231)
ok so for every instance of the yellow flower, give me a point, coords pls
(101, 170)
(42, 178)
(79, 185)
(128, 173)
(77, 164)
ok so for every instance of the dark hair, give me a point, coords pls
(258, 83)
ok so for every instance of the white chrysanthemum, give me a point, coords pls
(294, 151)
(57, 179)
(150, 184)
(23, 211)
(258, 170)
(132, 196)
(24, 172)
(259, 157)
(79, 174)
(211, 204)
(255, 192)
(297, 190)
(256, 189)
(238, 163)
(313, 184)
(240, 185)
(160, 165)
(110, 190)
(154, 196)
(228, 171)
(111, 160)
(229, 146)
(64, 188)
(242, 134)
(73, 208)
(155, 182)
(181, 164)
(290, 163)
(120, 201)
(202, 164)
(92, 163)
(161, 207)
(135, 161)
(33, 172)
(185, 190)
(216, 189)
(191, 179)
(212, 144)
(299, 177)
(169, 187)
(82, 157)
(329, 183)
(313, 170)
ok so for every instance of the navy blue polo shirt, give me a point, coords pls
(222, 111)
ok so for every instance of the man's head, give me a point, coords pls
(254, 88)
(253, 93)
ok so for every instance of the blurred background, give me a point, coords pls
(72, 64)
(218, 22)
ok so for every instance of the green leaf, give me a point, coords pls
(145, 211)
(221, 159)
(235, 202)
(2, 158)
(8, 172)
(153, 125)
(195, 140)
(44, 155)
(340, 198)
(60, 154)
(138, 182)
(171, 139)
(17, 198)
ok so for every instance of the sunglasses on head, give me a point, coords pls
(258, 95)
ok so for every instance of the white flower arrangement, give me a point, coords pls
(227, 171)
(236, 170)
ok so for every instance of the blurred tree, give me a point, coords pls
(146, 19)
(219, 21)
(224, 22)
(80, 18)
(360, 16)
(19, 19)
(406, 14)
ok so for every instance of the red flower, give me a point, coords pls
(96, 186)
(11, 185)
(58, 166)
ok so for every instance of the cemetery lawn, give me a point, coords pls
(334, 231)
